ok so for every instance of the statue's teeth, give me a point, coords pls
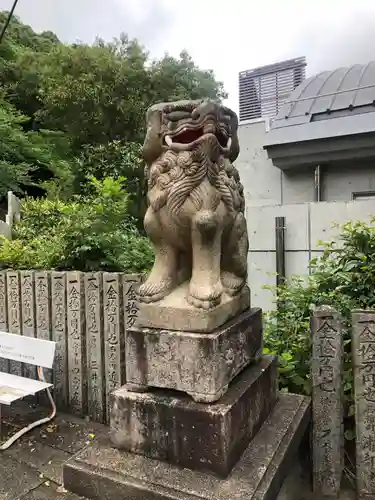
(168, 140)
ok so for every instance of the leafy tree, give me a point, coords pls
(173, 79)
(88, 233)
(115, 159)
(100, 93)
(19, 63)
(25, 156)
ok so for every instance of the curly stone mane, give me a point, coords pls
(178, 176)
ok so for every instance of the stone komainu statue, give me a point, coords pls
(195, 218)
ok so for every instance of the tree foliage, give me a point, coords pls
(94, 232)
(88, 102)
(342, 277)
(26, 157)
(72, 121)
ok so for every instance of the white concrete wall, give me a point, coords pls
(306, 224)
(270, 193)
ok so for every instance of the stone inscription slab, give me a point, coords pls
(326, 372)
(363, 350)
(113, 334)
(76, 343)
(131, 306)
(14, 314)
(28, 314)
(59, 335)
(4, 364)
(95, 347)
(42, 311)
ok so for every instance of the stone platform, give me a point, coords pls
(103, 473)
(178, 314)
(168, 426)
(200, 364)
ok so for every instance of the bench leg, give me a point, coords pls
(17, 435)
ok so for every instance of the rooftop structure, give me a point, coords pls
(337, 107)
(262, 91)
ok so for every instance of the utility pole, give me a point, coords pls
(8, 20)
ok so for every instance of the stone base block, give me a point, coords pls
(100, 472)
(200, 364)
(174, 428)
(175, 313)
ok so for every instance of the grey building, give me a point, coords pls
(311, 166)
(328, 126)
(262, 91)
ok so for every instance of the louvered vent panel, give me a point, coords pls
(262, 91)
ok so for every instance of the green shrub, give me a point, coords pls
(87, 233)
(342, 277)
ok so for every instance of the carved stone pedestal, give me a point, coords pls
(178, 314)
(200, 364)
(170, 426)
(101, 472)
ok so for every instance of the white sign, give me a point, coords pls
(27, 349)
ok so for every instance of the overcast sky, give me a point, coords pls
(226, 36)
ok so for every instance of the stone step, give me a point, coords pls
(101, 472)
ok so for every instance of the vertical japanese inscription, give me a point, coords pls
(4, 363)
(59, 335)
(363, 349)
(326, 370)
(113, 334)
(14, 314)
(28, 313)
(76, 344)
(42, 310)
(131, 307)
(42, 305)
(95, 346)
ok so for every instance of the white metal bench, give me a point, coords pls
(35, 352)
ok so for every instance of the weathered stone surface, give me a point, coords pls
(201, 364)
(114, 347)
(42, 311)
(363, 348)
(28, 314)
(174, 313)
(326, 371)
(172, 427)
(130, 283)
(195, 217)
(76, 343)
(16, 479)
(4, 363)
(101, 472)
(3, 302)
(59, 335)
(95, 346)
(14, 314)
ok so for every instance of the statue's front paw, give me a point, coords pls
(152, 291)
(232, 284)
(205, 296)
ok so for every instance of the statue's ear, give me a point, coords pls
(152, 146)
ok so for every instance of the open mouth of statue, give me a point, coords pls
(188, 136)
